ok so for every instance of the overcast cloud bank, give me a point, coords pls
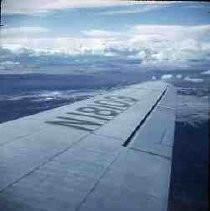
(148, 43)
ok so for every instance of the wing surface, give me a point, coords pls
(110, 152)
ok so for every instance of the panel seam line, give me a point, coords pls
(127, 142)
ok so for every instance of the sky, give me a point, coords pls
(173, 33)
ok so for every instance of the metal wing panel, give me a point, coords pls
(136, 181)
(123, 125)
(69, 157)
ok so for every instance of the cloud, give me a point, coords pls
(206, 72)
(101, 33)
(171, 32)
(16, 32)
(145, 42)
(194, 80)
(68, 45)
(39, 6)
(144, 7)
(153, 45)
(179, 76)
(171, 42)
(166, 77)
(8, 64)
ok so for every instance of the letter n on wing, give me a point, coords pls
(80, 124)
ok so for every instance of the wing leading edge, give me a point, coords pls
(110, 152)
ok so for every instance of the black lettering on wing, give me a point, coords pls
(91, 116)
(116, 97)
(98, 111)
(79, 124)
(114, 104)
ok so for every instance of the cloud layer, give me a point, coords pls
(18, 32)
(155, 42)
(25, 6)
(40, 6)
(152, 45)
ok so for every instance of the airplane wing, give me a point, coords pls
(111, 152)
